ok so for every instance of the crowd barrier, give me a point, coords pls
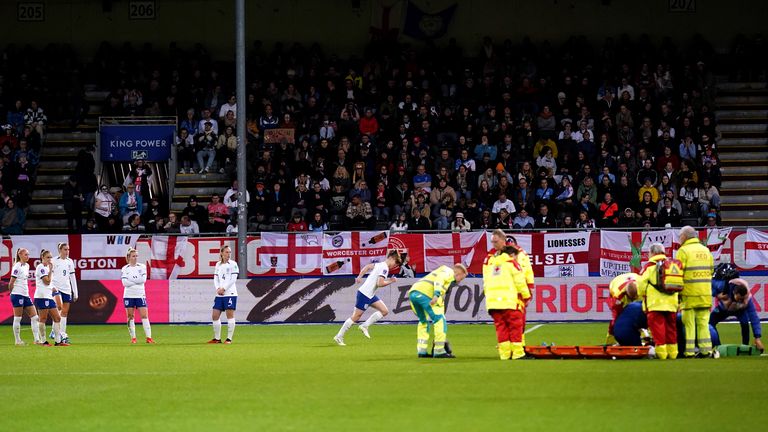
(327, 300)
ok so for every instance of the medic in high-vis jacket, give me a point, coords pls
(698, 266)
(525, 262)
(506, 292)
(660, 307)
(623, 290)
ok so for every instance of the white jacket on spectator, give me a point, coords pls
(230, 198)
(192, 228)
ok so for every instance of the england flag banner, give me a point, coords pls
(561, 254)
(756, 247)
(167, 256)
(347, 252)
(468, 248)
(625, 251)
(286, 252)
(713, 238)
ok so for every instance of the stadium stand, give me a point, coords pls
(560, 131)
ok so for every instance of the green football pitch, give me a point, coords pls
(295, 378)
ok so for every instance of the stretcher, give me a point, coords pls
(588, 352)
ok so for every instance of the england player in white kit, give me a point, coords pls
(63, 280)
(134, 294)
(19, 288)
(366, 295)
(224, 282)
(44, 301)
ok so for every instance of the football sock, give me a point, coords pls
(132, 328)
(372, 319)
(57, 332)
(231, 322)
(147, 327)
(17, 328)
(217, 329)
(63, 326)
(343, 330)
(35, 328)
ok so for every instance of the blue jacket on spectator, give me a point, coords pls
(482, 149)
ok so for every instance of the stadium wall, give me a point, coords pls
(343, 28)
(327, 300)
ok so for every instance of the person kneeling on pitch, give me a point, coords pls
(426, 297)
(658, 286)
(623, 290)
(735, 300)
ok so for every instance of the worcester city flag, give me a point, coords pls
(625, 251)
(347, 252)
(290, 251)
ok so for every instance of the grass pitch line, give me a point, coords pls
(534, 328)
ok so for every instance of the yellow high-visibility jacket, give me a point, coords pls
(503, 282)
(435, 283)
(698, 266)
(618, 287)
(525, 262)
(653, 299)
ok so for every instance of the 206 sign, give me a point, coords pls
(142, 10)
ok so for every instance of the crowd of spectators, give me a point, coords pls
(523, 135)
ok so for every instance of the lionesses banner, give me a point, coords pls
(323, 300)
(605, 253)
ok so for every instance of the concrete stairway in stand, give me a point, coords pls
(742, 116)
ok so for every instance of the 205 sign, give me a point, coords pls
(685, 6)
(142, 10)
(27, 11)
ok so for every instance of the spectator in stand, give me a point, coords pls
(134, 224)
(195, 212)
(185, 149)
(205, 147)
(503, 203)
(709, 198)
(104, 206)
(15, 117)
(130, 203)
(647, 173)
(585, 221)
(172, 224)
(139, 176)
(459, 224)
(218, 214)
(544, 220)
(359, 214)
(422, 181)
(230, 200)
(188, 226)
(381, 208)
(154, 216)
(668, 216)
(689, 198)
(297, 223)
(647, 187)
(190, 123)
(12, 218)
(36, 118)
(86, 177)
(675, 203)
(317, 224)
(418, 221)
(523, 220)
(230, 105)
(647, 203)
(73, 204)
(268, 120)
(226, 149)
(628, 219)
(609, 211)
(368, 124)
(400, 225)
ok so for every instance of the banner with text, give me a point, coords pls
(125, 143)
(756, 247)
(323, 300)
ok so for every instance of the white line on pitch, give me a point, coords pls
(532, 329)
